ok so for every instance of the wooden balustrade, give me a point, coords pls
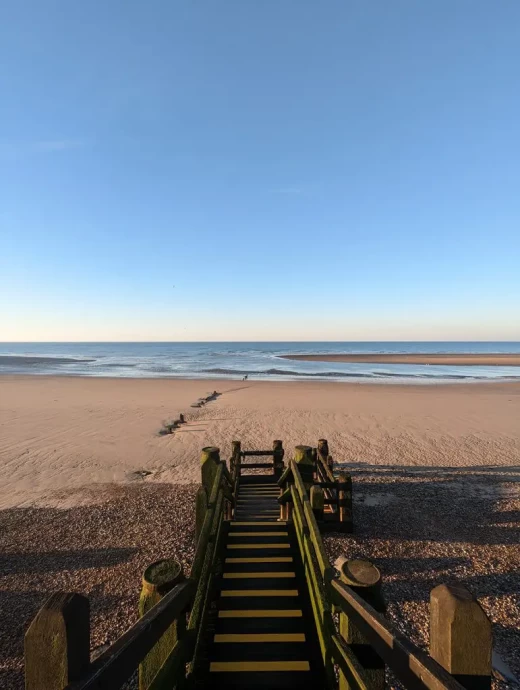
(167, 643)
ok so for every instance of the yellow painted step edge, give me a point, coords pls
(258, 534)
(261, 613)
(260, 637)
(258, 546)
(256, 524)
(259, 593)
(254, 666)
(245, 576)
(261, 559)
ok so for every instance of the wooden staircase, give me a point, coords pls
(265, 635)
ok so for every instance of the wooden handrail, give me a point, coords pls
(112, 668)
(324, 469)
(118, 663)
(314, 530)
(200, 553)
(286, 476)
(257, 453)
(416, 669)
(413, 667)
(200, 606)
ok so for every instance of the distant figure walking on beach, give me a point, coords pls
(245, 378)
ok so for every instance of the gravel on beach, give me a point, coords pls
(433, 526)
(97, 550)
(421, 527)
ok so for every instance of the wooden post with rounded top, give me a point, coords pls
(345, 502)
(236, 449)
(209, 461)
(303, 458)
(317, 500)
(158, 579)
(278, 453)
(315, 464)
(365, 579)
(460, 636)
(57, 643)
(323, 450)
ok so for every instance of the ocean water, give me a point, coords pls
(260, 361)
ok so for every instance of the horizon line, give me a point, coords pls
(190, 342)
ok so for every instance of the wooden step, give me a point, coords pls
(259, 613)
(241, 638)
(264, 653)
(250, 525)
(268, 624)
(267, 680)
(264, 636)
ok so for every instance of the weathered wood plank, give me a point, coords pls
(460, 636)
(412, 666)
(257, 453)
(158, 579)
(112, 668)
(57, 643)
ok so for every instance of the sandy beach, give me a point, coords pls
(60, 434)
(91, 492)
(487, 360)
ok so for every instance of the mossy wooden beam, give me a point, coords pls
(57, 643)
(303, 458)
(158, 579)
(365, 579)
(345, 502)
(278, 454)
(317, 499)
(460, 636)
(209, 462)
(201, 507)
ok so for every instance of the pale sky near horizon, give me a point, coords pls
(260, 170)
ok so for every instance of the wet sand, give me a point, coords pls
(509, 360)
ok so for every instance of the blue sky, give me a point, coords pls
(260, 169)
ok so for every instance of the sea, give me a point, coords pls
(259, 361)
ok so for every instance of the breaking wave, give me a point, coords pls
(334, 374)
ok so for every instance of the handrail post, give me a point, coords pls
(57, 643)
(285, 510)
(345, 502)
(201, 507)
(460, 636)
(323, 449)
(278, 453)
(365, 579)
(305, 462)
(236, 448)
(209, 462)
(158, 579)
(317, 500)
(322, 452)
(236, 469)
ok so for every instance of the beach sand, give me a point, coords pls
(436, 476)
(486, 360)
(62, 433)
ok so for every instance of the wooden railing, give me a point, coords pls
(357, 642)
(365, 640)
(165, 644)
(275, 464)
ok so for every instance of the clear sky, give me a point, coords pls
(259, 169)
